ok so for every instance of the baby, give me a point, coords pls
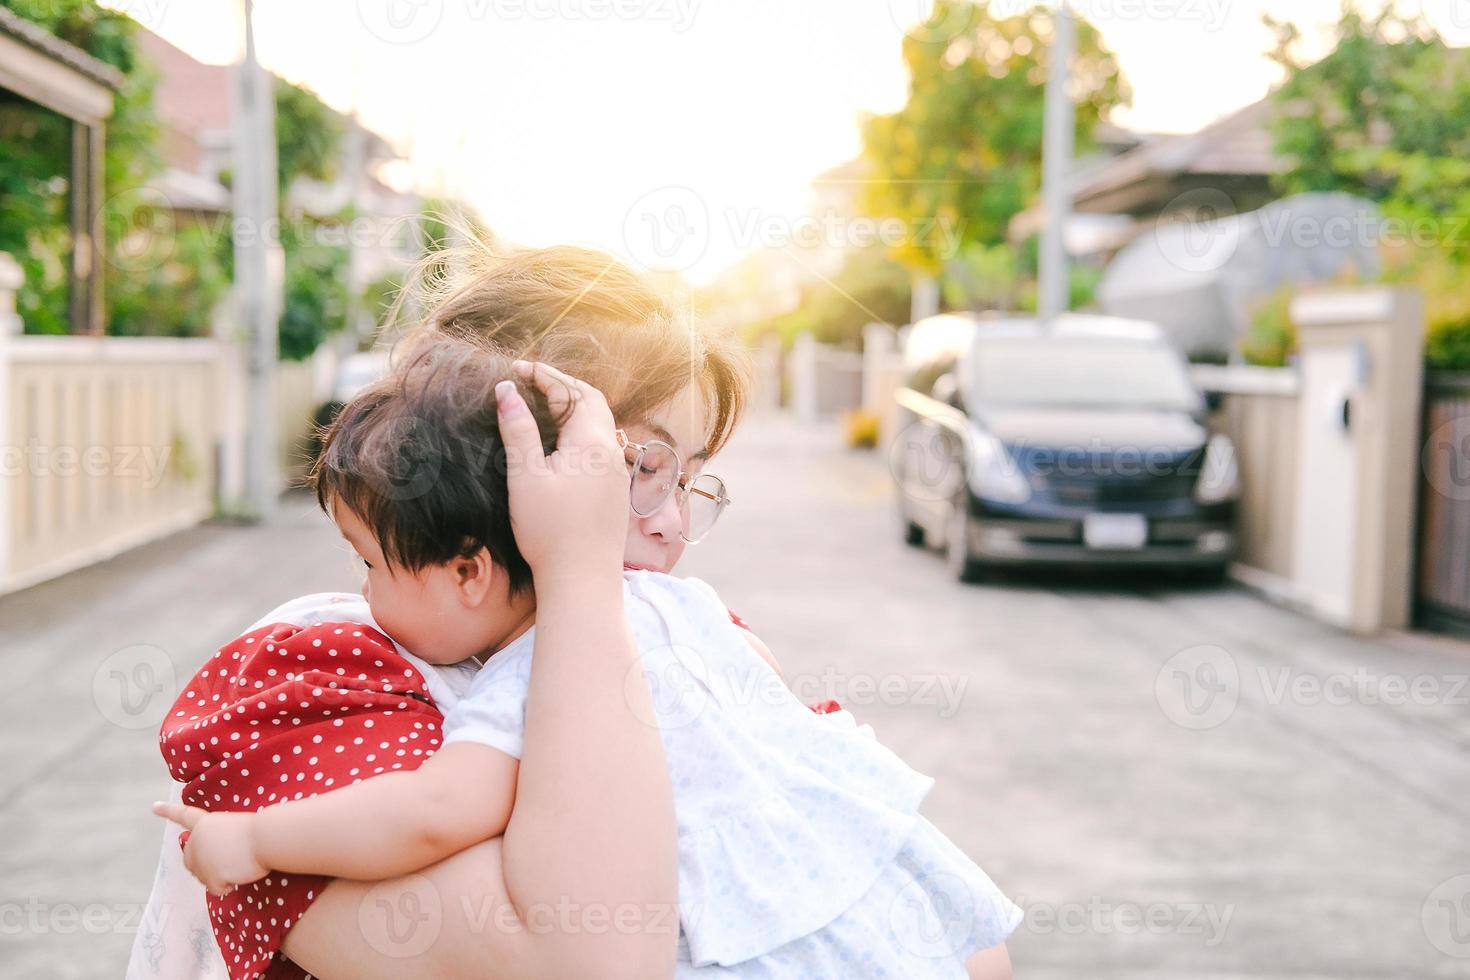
(801, 849)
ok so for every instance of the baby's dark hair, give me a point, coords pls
(418, 457)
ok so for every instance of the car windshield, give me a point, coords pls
(1081, 373)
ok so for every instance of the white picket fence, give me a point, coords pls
(110, 442)
(105, 443)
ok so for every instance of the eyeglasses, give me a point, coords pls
(655, 471)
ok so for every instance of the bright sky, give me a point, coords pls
(570, 120)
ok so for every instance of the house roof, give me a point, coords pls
(189, 95)
(1234, 148)
(36, 36)
(193, 98)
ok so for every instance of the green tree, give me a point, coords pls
(308, 136)
(965, 151)
(1386, 115)
(314, 292)
(870, 287)
(35, 161)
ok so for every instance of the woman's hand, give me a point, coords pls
(569, 509)
(220, 851)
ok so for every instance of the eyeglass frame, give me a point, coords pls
(682, 483)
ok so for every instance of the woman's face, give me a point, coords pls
(653, 541)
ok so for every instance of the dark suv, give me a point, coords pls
(1077, 442)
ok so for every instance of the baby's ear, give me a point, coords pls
(475, 574)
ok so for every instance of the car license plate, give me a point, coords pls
(1115, 531)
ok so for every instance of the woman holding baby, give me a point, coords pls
(589, 819)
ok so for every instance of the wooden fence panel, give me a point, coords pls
(1444, 502)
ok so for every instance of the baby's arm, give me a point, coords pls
(384, 826)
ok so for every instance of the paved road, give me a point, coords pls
(1175, 782)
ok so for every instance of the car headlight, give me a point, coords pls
(994, 474)
(1219, 478)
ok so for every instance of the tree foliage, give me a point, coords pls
(164, 274)
(35, 161)
(965, 150)
(1386, 115)
(314, 298)
(315, 291)
(871, 287)
(308, 136)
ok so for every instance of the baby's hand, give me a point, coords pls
(220, 851)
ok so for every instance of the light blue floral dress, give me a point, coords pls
(801, 849)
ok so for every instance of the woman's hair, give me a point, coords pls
(418, 457)
(584, 312)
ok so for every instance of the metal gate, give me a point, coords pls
(1444, 504)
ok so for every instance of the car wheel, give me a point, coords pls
(1208, 577)
(913, 534)
(957, 555)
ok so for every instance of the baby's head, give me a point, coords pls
(666, 376)
(413, 473)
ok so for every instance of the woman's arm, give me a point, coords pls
(594, 815)
(376, 828)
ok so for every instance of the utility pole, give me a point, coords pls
(1056, 166)
(259, 267)
(355, 156)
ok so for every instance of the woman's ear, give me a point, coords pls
(476, 576)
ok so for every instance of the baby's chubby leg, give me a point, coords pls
(990, 964)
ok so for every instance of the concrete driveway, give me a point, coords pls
(1174, 782)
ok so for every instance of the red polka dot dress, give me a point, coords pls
(283, 713)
